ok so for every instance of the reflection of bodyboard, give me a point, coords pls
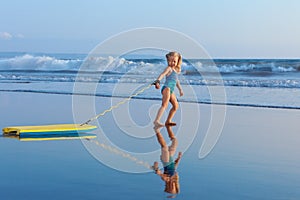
(51, 137)
(55, 129)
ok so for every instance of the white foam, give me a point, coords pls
(30, 62)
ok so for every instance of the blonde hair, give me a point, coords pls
(176, 54)
(174, 187)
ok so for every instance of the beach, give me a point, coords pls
(84, 88)
(256, 156)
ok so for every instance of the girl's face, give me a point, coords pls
(172, 61)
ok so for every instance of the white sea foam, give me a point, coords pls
(30, 62)
(64, 68)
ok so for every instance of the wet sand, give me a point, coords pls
(256, 156)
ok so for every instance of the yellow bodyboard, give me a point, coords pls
(49, 129)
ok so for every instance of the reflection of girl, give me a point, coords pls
(169, 175)
(171, 72)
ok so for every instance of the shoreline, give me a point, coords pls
(156, 99)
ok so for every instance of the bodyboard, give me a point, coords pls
(54, 129)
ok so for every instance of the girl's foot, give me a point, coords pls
(157, 124)
(157, 129)
(170, 124)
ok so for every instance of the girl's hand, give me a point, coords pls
(157, 85)
(179, 154)
(181, 92)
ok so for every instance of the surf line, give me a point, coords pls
(117, 105)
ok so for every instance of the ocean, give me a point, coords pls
(270, 83)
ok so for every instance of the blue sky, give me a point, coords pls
(225, 28)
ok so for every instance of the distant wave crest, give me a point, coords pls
(123, 65)
(44, 62)
(235, 72)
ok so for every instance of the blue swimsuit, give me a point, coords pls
(171, 81)
(169, 167)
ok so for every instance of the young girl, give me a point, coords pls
(171, 73)
(169, 174)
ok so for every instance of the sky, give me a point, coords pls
(225, 28)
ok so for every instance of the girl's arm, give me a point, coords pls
(164, 73)
(162, 176)
(178, 159)
(161, 76)
(179, 88)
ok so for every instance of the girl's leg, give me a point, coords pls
(174, 144)
(164, 105)
(170, 132)
(173, 110)
(160, 138)
(164, 147)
